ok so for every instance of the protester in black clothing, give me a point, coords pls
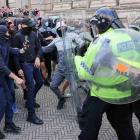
(28, 65)
(48, 37)
(17, 24)
(11, 30)
(6, 76)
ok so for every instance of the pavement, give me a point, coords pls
(58, 124)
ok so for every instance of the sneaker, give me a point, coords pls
(61, 103)
(12, 128)
(67, 95)
(2, 136)
(34, 119)
(139, 136)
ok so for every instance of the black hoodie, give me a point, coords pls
(4, 54)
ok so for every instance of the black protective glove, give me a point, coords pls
(83, 48)
(80, 50)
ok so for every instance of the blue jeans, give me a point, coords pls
(34, 82)
(57, 79)
(12, 89)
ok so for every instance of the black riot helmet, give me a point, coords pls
(105, 18)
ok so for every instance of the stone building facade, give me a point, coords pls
(127, 9)
(2, 3)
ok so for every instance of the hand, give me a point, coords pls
(22, 51)
(37, 62)
(19, 81)
(49, 38)
(80, 50)
(77, 51)
(21, 73)
(25, 46)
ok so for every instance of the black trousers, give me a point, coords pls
(91, 117)
(136, 109)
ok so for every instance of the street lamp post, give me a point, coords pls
(117, 2)
(7, 2)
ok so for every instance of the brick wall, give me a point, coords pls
(2, 3)
(16, 3)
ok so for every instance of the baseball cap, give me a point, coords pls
(29, 22)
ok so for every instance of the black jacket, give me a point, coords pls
(33, 51)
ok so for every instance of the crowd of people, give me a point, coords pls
(8, 12)
(37, 51)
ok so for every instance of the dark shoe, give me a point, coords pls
(61, 103)
(36, 105)
(2, 136)
(12, 128)
(139, 136)
(34, 119)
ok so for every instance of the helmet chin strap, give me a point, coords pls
(117, 24)
(93, 28)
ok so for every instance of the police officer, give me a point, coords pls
(105, 20)
(5, 79)
(29, 65)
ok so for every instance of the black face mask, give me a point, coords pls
(34, 29)
(11, 32)
(7, 37)
(26, 30)
(59, 32)
(62, 31)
